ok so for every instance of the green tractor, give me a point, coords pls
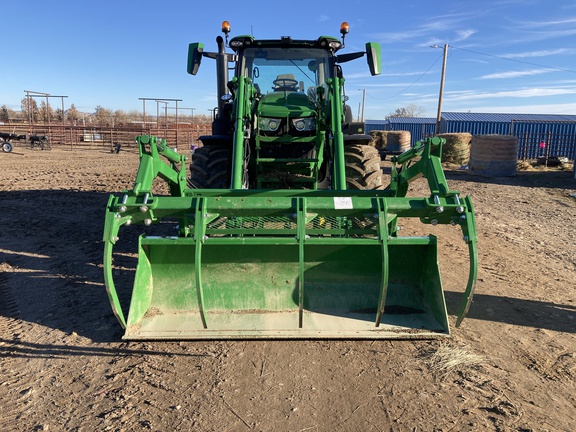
(285, 226)
(282, 118)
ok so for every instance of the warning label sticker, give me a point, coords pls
(342, 203)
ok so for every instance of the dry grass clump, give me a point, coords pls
(448, 358)
(537, 165)
(524, 165)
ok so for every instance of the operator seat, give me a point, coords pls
(285, 82)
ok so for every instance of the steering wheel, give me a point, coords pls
(282, 83)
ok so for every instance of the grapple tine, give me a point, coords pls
(111, 228)
(470, 236)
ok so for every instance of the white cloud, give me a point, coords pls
(542, 35)
(462, 35)
(524, 93)
(437, 29)
(405, 73)
(474, 60)
(400, 84)
(542, 53)
(516, 74)
(569, 108)
(547, 24)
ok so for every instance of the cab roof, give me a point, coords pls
(328, 43)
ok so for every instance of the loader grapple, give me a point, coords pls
(288, 263)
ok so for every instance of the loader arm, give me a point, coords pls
(335, 85)
(447, 203)
(151, 166)
(241, 119)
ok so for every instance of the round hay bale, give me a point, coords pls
(457, 147)
(398, 141)
(493, 155)
(379, 138)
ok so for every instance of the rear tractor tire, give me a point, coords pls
(363, 170)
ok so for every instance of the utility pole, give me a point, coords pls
(363, 103)
(440, 97)
(361, 115)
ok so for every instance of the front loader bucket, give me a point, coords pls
(305, 266)
(235, 287)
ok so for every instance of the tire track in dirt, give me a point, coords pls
(17, 384)
(18, 394)
(34, 270)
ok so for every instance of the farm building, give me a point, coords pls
(536, 133)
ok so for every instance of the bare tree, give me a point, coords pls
(59, 114)
(72, 114)
(46, 112)
(411, 110)
(103, 116)
(120, 118)
(4, 114)
(29, 109)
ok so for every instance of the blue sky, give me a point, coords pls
(514, 56)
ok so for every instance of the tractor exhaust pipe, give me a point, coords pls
(221, 121)
(221, 73)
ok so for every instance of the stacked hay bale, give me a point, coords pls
(379, 138)
(457, 147)
(493, 155)
(398, 141)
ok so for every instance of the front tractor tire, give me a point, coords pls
(210, 167)
(363, 170)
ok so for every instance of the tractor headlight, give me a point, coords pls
(304, 124)
(269, 124)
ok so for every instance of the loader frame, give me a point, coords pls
(299, 229)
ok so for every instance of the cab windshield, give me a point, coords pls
(286, 69)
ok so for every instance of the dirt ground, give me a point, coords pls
(511, 366)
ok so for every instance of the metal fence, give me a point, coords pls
(182, 137)
(536, 145)
(544, 139)
(535, 139)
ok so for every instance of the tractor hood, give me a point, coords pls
(282, 104)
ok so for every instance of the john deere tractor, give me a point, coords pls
(282, 118)
(285, 227)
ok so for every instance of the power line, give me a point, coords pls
(515, 60)
(418, 79)
(474, 52)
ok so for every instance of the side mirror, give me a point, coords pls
(374, 57)
(195, 52)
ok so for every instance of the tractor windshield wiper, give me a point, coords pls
(300, 69)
